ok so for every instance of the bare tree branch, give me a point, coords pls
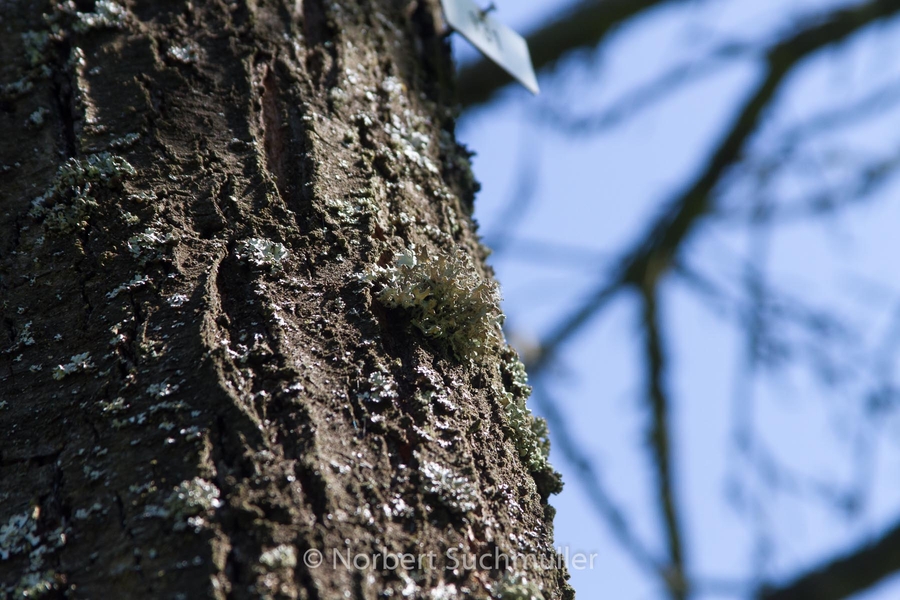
(584, 26)
(651, 256)
(654, 255)
(845, 575)
(661, 444)
(643, 96)
(665, 237)
(873, 104)
(565, 442)
(868, 180)
(612, 514)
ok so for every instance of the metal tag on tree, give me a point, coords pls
(497, 41)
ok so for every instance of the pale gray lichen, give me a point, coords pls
(26, 338)
(446, 298)
(18, 535)
(34, 585)
(129, 218)
(36, 119)
(136, 282)
(187, 54)
(381, 387)
(516, 587)
(106, 15)
(35, 43)
(161, 390)
(399, 508)
(444, 591)
(11, 91)
(262, 252)
(119, 405)
(78, 363)
(193, 497)
(21, 535)
(126, 141)
(393, 86)
(350, 210)
(85, 513)
(455, 491)
(283, 556)
(145, 245)
(113, 406)
(410, 143)
(177, 300)
(66, 205)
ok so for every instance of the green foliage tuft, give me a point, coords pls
(66, 205)
(446, 299)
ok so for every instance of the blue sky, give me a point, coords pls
(596, 193)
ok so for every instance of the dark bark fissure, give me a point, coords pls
(11, 332)
(276, 143)
(65, 100)
(289, 150)
(320, 35)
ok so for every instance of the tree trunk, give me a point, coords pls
(246, 317)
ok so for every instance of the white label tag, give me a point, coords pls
(498, 42)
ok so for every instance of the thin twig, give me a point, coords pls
(660, 439)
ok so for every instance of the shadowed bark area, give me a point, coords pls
(200, 206)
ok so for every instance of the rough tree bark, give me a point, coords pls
(245, 313)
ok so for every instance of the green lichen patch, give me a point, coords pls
(529, 435)
(106, 15)
(147, 246)
(446, 299)
(186, 54)
(34, 585)
(454, 491)
(67, 204)
(380, 387)
(192, 498)
(516, 587)
(527, 432)
(280, 557)
(444, 591)
(126, 141)
(352, 209)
